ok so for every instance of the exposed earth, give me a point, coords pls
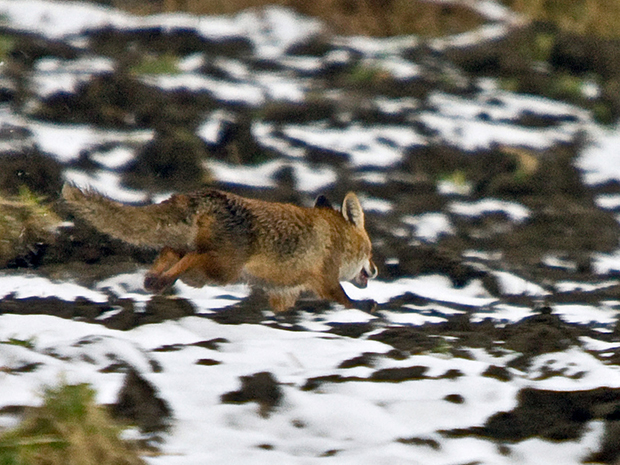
(469, 156)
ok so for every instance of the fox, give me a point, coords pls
(213, 236)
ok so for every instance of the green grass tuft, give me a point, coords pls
(27, 343)
(68, 429)
(157, 64)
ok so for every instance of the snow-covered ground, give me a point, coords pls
(359, 421)
(364, 421)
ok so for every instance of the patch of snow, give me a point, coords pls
(396, 106)
(66, 142)
(227, 91)
(379, 146)
(578, 313)
(191, 63)
(447, 187)
(20, 287)
(308, 179)
(274, 29)
(430, 226)
(397, 67)
(372, 177)
(569, 286)
(126, 285)
(511, 284)
(302, 63)
(553, 261)
(484, 33)
(608, 201)
(597, 345)
(586, 371)
(57, 19)
(473, 135)
(600, 159)
(435, 287)
(115, 158)
(377, 46)
(375, 204)
(84, 65)
(47, 84)
(459, 121)
(604, 263)
(503, 312)
(515, 211)
(106, 183)
(267, 135)
(414, 317)
(208, 298)
(280, 87)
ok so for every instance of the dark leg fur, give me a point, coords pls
(337, 294)
(170, 265)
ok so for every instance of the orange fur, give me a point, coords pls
(218, 237)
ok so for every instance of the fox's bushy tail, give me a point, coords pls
(153, 226)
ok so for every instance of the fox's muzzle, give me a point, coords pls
(368, 271)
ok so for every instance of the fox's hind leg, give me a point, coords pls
(217, 267)
(165, 260)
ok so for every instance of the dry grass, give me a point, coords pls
(24, 221)
(398, 17)
(68, 429)
(367, 17)
(586, 17)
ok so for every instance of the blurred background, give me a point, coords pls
(482, 138)
(480, 135)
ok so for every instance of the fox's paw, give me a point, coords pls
(366, 305)
(156, 283)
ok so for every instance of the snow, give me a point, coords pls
(515, 211)
(106, 183)
(606, 263)
(434, 287)
(600, 160)
(276, 29)
(67, 142)
(361, 420)
(511, 284)
(430, 226)
(608, 201)
(223, 90)
(57, 19)
(20, 287)
(308, 179)
(578, 313)
(377, 146)
(54, 75)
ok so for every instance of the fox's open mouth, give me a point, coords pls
(361, 280)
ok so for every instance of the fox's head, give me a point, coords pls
(357, 265)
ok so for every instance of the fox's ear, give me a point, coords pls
(322, 202)
(352, 210)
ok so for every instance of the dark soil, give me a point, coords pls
(138, 403)
(565, 220)
(262, 388)
(555, 416)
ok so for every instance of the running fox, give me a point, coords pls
(218, 237)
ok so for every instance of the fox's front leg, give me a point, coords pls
(335, 292)
(281, 301)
